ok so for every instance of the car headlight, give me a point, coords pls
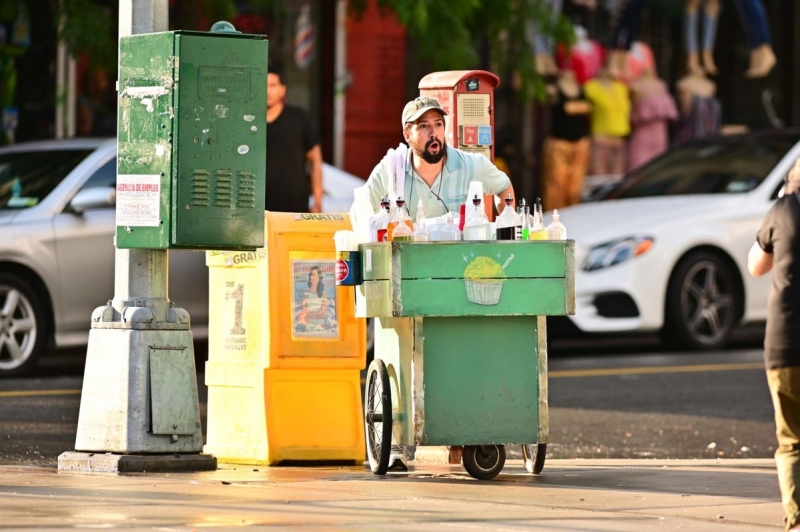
(617, 251)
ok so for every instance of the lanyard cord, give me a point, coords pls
(441, 180)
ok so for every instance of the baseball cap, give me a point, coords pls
(418, 107)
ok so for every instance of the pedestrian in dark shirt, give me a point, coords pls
(294, 157)
(777, 249)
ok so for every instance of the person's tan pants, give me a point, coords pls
(784, 387)
(564, 167)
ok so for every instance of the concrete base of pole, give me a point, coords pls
(135, 463)
(139, 393)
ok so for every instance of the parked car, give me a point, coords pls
(665, 249)
(57, 223)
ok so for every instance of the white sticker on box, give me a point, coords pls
(368, 267)
(138, 200)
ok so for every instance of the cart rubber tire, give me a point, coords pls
(483, 462)
(378, 417)
(534, 454)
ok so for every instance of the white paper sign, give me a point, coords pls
(138, 200)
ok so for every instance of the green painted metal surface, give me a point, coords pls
(461, 329)
(376, 297)
(376, 261)
(192, 111)
(481, 380)
(435, 260)
(144, 124)
(468, 279)
(451, 297)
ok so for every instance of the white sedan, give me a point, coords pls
(666, 248)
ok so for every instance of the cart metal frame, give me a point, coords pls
(461, 346)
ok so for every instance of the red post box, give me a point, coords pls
(468, 98)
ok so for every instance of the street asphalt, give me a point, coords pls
(569, 495)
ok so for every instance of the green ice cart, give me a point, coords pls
(461, 346)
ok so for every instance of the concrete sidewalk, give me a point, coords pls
(569, 495)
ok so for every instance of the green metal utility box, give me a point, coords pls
(192, 140)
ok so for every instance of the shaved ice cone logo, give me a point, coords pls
(484, 279)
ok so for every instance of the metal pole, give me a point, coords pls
(141, 273)
(139, 407)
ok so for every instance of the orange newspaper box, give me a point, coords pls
(285, 349)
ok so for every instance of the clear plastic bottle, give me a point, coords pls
(525, 216)
(450, 230)
(382, 222)
(509, 225)
(476, 227)
(421, 234)
(556, 230)
(400, 227)
(538, 230)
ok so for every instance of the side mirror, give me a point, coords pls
(94, 198)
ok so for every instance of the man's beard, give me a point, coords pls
(432, 158)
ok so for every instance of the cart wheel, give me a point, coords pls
(534, 455)
(483, 461)
(378, 417)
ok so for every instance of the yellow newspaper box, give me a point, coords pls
(285, 349)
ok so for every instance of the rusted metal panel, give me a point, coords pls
(541, 358)
(418, 381)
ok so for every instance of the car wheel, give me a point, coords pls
(22, 326)
(703, 302)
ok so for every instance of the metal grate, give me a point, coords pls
(198, 195)
(473, 107)
(245, 189)
(222, 188)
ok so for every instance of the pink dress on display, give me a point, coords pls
(649, 133)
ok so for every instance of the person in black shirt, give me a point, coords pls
(777, 249)
(294, 157)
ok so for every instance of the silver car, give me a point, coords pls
(57, 223)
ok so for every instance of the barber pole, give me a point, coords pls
(304, 38)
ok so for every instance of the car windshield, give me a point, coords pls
(26, 178)
(729, 166)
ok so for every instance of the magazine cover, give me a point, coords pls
(314, 299)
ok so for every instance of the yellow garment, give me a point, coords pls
(611, 107)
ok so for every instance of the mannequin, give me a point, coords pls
(625, 25)
(754, 19)
(652, 107)
(611, 108)
(565, 153)
(543, 47)
(699, 108)
(640, 58)
(585, 56)
(710, 16)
